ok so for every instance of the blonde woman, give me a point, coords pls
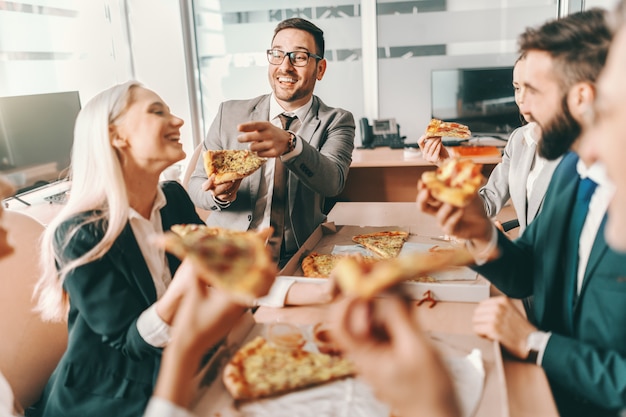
(117, 291)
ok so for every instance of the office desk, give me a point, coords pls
(385, 174)
(527, 387)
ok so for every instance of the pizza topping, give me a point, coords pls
(455, 182)
(438, 127)
(236, 261)
(317, 265)
(231, 165)
(386, 244)
(260, 369)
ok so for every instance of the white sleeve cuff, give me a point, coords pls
(278, 293)
(159, 407)
(481, 257)
(540, 345)
(152, 328)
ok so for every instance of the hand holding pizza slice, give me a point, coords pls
(235, 261)
(456, 181)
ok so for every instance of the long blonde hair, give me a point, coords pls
(98, 193)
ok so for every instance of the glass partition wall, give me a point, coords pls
(407, 40)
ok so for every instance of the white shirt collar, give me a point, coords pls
(159, 202)
(597, 172)
(276, 109)
(529, 133)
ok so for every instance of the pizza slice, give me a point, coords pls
(318, 265)
(231, 165)
(456, 181)
(386, 244)
(438, 127)
(238, 262)
(368, 280)
(259, 369)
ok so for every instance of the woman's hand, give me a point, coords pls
(432, 149)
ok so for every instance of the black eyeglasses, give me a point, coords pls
(296, 58)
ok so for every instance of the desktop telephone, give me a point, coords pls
(382, 132)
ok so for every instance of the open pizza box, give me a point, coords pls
(474, 363)
(456, 284)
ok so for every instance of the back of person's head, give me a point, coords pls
(577, 43)
(305, 25)
(98, 193)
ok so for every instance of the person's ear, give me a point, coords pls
(321, 69)
(580, 100)
(116, 140)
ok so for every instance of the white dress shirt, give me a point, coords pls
(150, 326)
(538, 162)
(263, 205)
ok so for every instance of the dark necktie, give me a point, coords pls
(279, 197)
(586, 188)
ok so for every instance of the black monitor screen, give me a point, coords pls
(482, 98)
(36, 135)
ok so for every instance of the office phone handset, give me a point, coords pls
(384, 132)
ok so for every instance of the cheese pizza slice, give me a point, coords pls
(456, 181)
(231, 165)
(235, 261)
(367, 280)
(438, 127)
(386, 244)
(320, 265)
(260, 369)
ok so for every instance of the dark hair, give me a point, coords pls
(305, 25)
(578, 44)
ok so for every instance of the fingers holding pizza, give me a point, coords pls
(432, 148)
(451, 195)
(264, 138)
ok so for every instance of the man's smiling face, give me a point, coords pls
(293, 86)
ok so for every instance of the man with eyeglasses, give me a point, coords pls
(309, 145)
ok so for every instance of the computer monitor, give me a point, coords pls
(36, 136)
(482, 98)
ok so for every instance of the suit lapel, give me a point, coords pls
(167, 222)
(309, 126)
(260, 112)
(561, 194)
(525, 165)
(539, 188)
(137, 267)
(598, 250)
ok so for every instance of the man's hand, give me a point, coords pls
(498, 319)
(432, 149)
(469, 222)
(224, 192)
(264, 138)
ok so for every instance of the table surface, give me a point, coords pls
(527, 387)
(387, 157)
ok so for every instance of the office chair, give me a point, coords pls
(30, 348)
